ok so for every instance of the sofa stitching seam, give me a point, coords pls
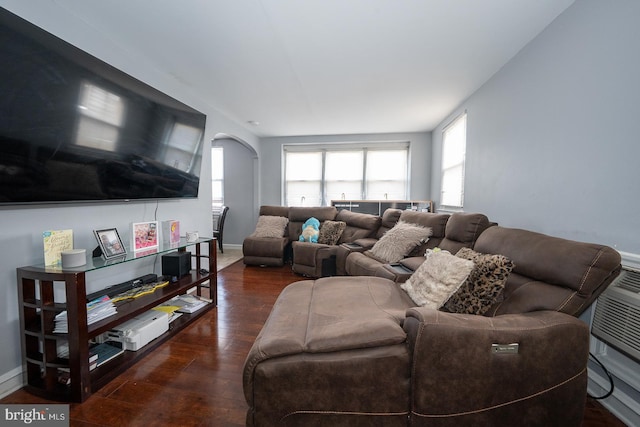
(305, 346)
(522, 399)
(584, 279)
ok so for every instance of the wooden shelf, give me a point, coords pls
(38, 309)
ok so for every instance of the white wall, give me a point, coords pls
(271, 161)
(552, 138)
(21, 239)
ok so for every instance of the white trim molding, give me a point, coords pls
(11, 381)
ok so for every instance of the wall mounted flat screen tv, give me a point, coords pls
(75, 129)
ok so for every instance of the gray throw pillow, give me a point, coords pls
(270, 226)
(399, 241)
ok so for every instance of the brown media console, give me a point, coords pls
(38, 307)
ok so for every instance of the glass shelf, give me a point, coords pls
(99, 262)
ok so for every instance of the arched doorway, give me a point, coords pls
(240, 187)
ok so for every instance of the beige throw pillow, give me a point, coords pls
(437, 278)
(270, 226)
(399, 241)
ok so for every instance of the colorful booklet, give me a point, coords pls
(106, 351)
(56, 241)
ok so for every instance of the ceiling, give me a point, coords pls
(318, 67)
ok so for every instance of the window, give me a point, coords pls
(317, 174)
(303, 173)
(343, 174)
(101, 117)
(217, 178)
(454, 141)
(386, 175)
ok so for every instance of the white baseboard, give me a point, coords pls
(231, 246)
(11, 381)
(620, 404)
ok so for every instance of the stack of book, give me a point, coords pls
(98, 309)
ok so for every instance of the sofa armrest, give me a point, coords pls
(265, 250)
(308, 253)
(314, 259)
(518, 369)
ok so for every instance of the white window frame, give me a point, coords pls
(453, 163)
(364, 147)
(217, 175)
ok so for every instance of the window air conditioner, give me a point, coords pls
(617, 317)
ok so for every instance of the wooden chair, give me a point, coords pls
(217, 232)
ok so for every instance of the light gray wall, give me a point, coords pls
(21, 239)
(271, 161)
(552, 143)
(552, 139)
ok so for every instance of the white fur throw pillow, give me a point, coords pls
(437, 278)
(399, 241)
(270, 226)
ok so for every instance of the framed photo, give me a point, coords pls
(144, 235)
(110, 243)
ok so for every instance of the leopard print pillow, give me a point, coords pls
(483, 287)
(330, 232)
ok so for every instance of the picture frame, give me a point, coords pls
(110, 243)
(144, 235)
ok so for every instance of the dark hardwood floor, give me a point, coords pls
(195, 378)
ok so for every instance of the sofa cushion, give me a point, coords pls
(331, 231)
(398, 242)
(542, 279)
(332, 352)
(437, 222)
(484, 286)
(299, 214)
(333, 314)
(437, 278)
(270, 226)
(389, 218)
(463, 229)
(274, 210)
(359, 225)
(413, 262)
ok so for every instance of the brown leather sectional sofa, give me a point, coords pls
(356, 351)
(313, 259)
(351, 255)
(450, 232)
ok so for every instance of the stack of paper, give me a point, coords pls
(183, 304)
(98, 309)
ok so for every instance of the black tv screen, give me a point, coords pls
(73, 128)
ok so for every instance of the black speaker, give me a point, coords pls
(176, 264)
